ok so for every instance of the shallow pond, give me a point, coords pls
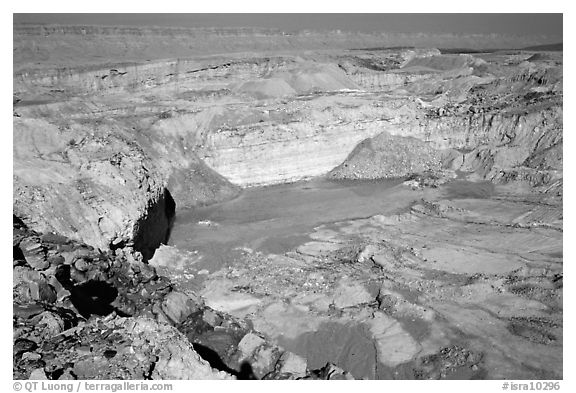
(276, 219)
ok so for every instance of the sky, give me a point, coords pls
(547, 24)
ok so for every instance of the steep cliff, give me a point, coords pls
(85, 182)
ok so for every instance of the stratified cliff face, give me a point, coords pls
(501, 123)
(312, 144)
(498, 147)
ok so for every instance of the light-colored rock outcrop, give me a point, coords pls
(176, 358)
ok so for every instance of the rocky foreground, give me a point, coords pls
(465, 283)
(80, 313)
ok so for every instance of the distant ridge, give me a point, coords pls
(558, 47)
(69, 46)
(466, 50)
